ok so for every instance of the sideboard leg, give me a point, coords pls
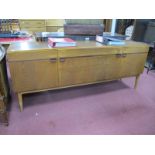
(20, 101)
(136, 81)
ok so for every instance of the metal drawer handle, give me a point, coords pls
(118, 55)
(121, 55)
(62, 59)
(124, 55)
(53, 59)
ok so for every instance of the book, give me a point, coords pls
(113, 41)
(110, 40)
(61, 42)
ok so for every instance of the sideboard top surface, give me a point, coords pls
(33, 45)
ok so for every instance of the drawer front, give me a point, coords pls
(39, 29)
(33, 24)
(41, 54)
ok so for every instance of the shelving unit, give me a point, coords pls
(30, 25)
(41, 25)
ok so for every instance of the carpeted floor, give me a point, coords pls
(107, 108)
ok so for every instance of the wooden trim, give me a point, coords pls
(70, 86)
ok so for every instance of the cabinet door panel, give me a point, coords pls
(133, 64)
(34, 75)
(88, 69)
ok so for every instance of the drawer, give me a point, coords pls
(33, 23)
(41, 29)
(42, 54)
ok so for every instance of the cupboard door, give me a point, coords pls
(133, 64)
(88, 69)
(34, 75)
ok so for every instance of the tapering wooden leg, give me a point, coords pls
(136, 81)
(20, 101)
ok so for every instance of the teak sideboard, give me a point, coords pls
(37, 67)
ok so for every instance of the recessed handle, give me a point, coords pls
(62, 59)
(118, 55)
(53, 59)
(124, 55)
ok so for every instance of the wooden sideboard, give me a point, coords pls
(37, 67)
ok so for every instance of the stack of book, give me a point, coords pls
(61, 42)
(110, 40)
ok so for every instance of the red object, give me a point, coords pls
(14, 39)
(61, 42)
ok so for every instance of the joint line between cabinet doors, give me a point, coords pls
(58, 68)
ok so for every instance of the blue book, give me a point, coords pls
(110, 40)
